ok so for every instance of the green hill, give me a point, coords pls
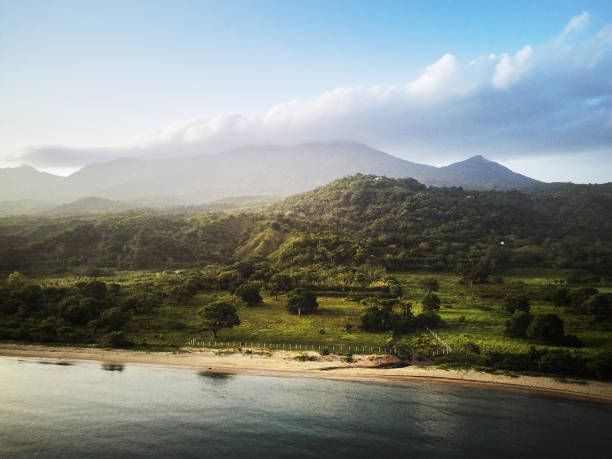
(395, 223)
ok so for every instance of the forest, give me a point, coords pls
(513, 281)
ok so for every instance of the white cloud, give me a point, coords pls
(577, 23)
(511, 69)
(553, 98)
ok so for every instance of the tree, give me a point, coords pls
(514, 303)
(599, 305)
(430, 284)
(115, 339)
(279, 283)
(427, 319)
(547, 328)
(431, 302)
(560, 297)
(477, 274)
(395, 289)
(302, 301)
(377, 318)
(249, 293)
(112, 319)
(403, 322)
(219, 315)
(516, 327)
(94, 288)
(15, 280)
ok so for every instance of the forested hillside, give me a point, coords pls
(395, 223)
(353, 262)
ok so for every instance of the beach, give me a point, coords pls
(366, 368)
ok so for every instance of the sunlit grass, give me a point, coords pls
(468, 318)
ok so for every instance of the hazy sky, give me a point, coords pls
(528, 84)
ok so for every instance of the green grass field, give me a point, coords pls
(468, 320)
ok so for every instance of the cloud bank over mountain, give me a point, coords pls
(548, 99)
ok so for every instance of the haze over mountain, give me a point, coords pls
(256, 170)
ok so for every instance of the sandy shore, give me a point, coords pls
(283, 363)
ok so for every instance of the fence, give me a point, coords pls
(339, 348)
(446, 348)
(334, 348)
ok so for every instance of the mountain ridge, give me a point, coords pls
(253, 170)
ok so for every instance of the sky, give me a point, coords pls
(527, 84)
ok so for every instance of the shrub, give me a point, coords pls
(577, 296)
(115, 339)
(562, 362)
(403, 349)
(112, 319)
(472, 347)
(93, 289)
(377, 318)
(598, 305)
(11, 306)
(430, 284)
(427, 319)
(431, 302)
(514, 303)
(249, 293)
(547, 328)
(516, 327)
(560, 297)
(601, 365)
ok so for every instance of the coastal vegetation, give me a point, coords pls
(515, 281)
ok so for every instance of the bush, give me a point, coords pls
(430, 284)
(577, 296)
(377, 318)
(11, 306)
(431, 302)
(472, 348)
(562, 362)
(112, 319)
(249, 293)
(93, 289)
(427, 319)
(547, 328)
(115, 339)
(598, 305)
(516, 327)
(514, 303)
(601, 366)
(560, 297)
(403, 349)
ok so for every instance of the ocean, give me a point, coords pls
(89, 409)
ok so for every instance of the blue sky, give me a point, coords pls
(150, 78)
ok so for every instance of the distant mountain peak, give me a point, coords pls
(278, 170)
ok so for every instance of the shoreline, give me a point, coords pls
(365, 368)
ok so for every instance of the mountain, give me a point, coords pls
(258, 170)
(25, 182)
(478, 173)
(89, 205)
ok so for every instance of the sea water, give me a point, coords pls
(88, 409)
